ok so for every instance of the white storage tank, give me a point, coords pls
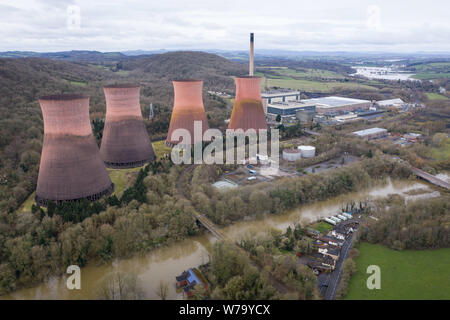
(291, 154)
(307, 151)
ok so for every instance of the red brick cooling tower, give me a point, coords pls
(248, 112)
(125, 142)
(71, 167)
(187, 108)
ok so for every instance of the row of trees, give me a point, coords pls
(416, 225)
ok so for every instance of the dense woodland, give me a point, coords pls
(417, 225)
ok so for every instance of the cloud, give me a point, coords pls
(199, 24)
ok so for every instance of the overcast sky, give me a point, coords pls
(324, 25)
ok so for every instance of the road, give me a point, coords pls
(335, 276)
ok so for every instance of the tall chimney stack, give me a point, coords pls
(251, 54)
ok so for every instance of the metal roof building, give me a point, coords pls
(391, 103)
(334, 103)
(371, 133)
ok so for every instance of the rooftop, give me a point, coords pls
(366, 132)
(333, 101)
(279, 93)
(224, 184)
(291, 104)
(390, 102)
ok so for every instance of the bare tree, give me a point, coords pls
(163, 290)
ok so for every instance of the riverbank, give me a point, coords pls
(166, 262)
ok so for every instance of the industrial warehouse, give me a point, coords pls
(286, 106)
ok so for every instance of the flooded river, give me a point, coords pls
(167, 262)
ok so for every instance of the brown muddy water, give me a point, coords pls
(167, 262)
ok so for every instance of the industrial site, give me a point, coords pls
(253, 173)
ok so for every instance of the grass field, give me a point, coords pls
(122, 178)
(314, 86)
(26, 206)
(435, 96)
(160, 149)
(432, 70)
(443, 152)
(409, 274)
(78, 83)
(311, 80)
(308, 73)
(322, 227)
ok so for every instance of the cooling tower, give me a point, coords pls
(71, 167)
(125, 142)
(248, 112)
(187, 108)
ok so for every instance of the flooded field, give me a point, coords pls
(382, 73)
(167, 262)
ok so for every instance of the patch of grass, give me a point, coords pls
(408, 274)
(309, 73)
(160, 149)
(122, 178)
(435, 96)
(433, 70)
(322, 227)
(314, 86)
(26, 206)
(78, 83)
(442, 152)
(429, 76)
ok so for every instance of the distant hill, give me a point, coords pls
(216, 71)
(74, 55)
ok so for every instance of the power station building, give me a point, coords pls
(187, 108)
(290, 108)
(335, 104)
(71, 167)
(248, 112)
(281, 95)
(125, 142)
